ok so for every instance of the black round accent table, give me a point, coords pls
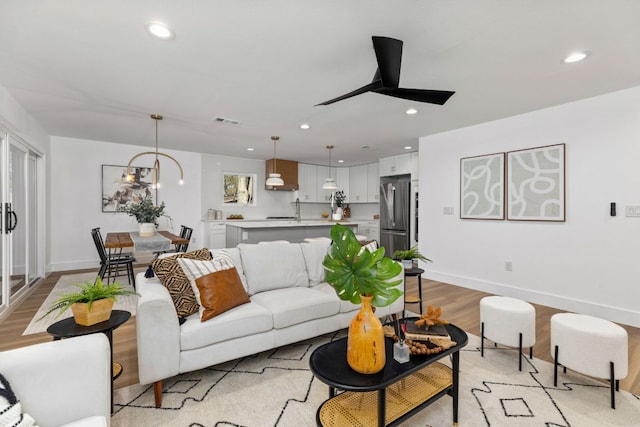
(412, 385)
(68, 328)
(415, 271)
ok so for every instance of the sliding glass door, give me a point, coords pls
(19, 219)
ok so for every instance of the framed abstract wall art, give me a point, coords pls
(118, 191)
(482, 187)
(536, 184)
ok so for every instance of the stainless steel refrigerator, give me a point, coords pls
(395, 207)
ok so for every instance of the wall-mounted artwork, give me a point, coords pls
(536, 184)
(118, 191)
(482, 187)
(239, 188)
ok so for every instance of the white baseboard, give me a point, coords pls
(614, 314)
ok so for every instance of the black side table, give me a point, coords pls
(68, 328)
(415, 271)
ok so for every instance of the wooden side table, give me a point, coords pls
(415, 271)
(68, 328)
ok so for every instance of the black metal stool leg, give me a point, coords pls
(555, 367)
(612, 382)
(520, 351)
(482, 339)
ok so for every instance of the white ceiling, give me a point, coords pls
(88, 69)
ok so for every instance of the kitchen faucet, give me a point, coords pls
(298, 218)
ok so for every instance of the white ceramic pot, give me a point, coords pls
(147, 229)
(407, 264)
(336, 217)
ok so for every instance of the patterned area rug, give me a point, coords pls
(276, 388)
(65, 284)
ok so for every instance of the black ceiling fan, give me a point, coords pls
(387, 77)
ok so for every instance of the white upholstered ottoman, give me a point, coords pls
(591, 346)
(508, 321)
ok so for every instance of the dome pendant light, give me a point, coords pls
(274, 178)
(329, 183)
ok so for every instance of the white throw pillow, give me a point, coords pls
(11, 409)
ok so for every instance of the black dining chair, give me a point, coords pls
(112, 265)
(185, 233)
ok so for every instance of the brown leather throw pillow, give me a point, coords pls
(220, 291)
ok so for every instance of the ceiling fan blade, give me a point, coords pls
(389, 57)
(366, 88)
(421, 95)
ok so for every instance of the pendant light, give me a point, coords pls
(274, 178)
(329, 183)
(156, 165)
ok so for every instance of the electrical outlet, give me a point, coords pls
(508, 266)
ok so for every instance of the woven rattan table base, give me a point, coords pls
(360, 409)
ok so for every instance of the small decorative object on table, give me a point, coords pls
(92, 304)
(338, 197)
(407, 257)
(366, 278)
(147, 214)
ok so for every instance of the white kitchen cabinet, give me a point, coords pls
(395, 165)
(415, 165)
(373, 183)
(217, 235)
(373, 228)
(343, 182)
(358, 184)
(308, 182)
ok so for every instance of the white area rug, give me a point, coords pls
(276, 388)
(65, 284)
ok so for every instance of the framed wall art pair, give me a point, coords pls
(527, 185)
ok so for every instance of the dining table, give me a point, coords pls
(124, 239)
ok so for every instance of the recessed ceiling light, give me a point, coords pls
(305, 126)
(576, 57)
(365, 147)
(160, 30)
(250, 149)
(411, 111)
(340, 161)
(408, 147)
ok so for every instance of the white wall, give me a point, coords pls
(76, 190)
(589, 263)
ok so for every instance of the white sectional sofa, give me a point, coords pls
(62, 383)
(289, 302)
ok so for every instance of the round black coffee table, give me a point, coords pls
(68, 328)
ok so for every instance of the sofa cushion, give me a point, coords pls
(345, 306)
(216, 285)
(244, 320)
(269, 266)
(296, 305)
(172, 277)
(314, 253)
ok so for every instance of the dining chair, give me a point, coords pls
(185, 233)
(112, 265)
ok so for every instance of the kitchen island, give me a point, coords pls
(291, 231)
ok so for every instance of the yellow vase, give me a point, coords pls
(365, 344)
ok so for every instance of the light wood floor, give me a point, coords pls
(460, 306)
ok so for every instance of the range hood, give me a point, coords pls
(288, 170)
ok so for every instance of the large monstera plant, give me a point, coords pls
(354, 271)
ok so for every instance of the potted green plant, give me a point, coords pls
(91, 304)
(146, 214)
(407, 257)
(338, 197)
(365, 278)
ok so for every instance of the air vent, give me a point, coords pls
(227, 121)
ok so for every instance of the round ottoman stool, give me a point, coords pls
(591, 346)
(508, 321)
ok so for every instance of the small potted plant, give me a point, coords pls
(365, 278)
(91, 304)
(146, 213)
(407, 257)
(338, 197)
